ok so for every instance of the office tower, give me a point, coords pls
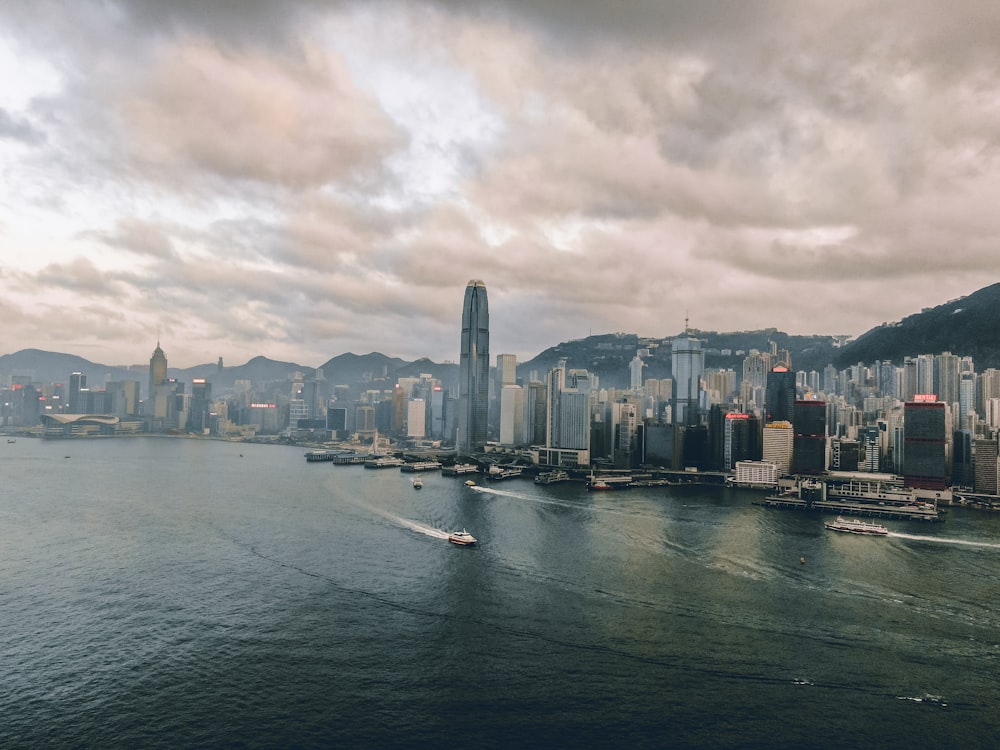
(962, 471)
(755, 369)
(871, 440)
(967, 400)
(77, 384)
(157, 369)
(555, 382)
(844, 454)
(830, 380)
(985, 465)
(158, 400)
(198, 419)
(946, 371)
(778, 442)
(506, 369)
(779, 400)
(738, 439)
(924, 440)
(512, 430)
(809, 444)
(721, 385)
(988, 388)
(336, 421)
(416, 418)
(925, 374)
(536, 413)
(687, 363)
(625, 417)
(635, 373)
(474, 371)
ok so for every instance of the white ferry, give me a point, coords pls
(857, 526)
(462, 538)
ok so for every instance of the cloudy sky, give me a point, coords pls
(303, 179)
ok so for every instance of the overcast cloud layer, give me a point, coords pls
(303, 179)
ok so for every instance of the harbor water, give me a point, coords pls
(185, 593)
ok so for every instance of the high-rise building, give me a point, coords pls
(924, 439)
(809, 446)
(512, 430)
(77, 384)
(778, 441)
(158, 398)
(779, 401)
(474, 371)
(506, 369)
(157, 369)
(985, 465)
(738, 439)
(635, 373)
(687, 363)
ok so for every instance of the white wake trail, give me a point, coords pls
(943, 540)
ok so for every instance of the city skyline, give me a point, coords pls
(297, 181)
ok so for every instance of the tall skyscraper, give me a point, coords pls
(474, 371)
(924, 451)
(809, 442)
(157, 369)
(77, 384)
(687, 363)
(779, 400)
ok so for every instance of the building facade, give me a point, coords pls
(474, 371)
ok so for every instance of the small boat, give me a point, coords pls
(418, 483)
(469, 483)
(857, 526)
(12, 441)
(462, 538)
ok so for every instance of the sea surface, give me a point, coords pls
(175, 593)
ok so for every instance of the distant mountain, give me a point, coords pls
(354, 368)
(54, 367)
(967, 326)
(608, 355)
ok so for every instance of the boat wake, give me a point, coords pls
(942, 540)
(419, 527)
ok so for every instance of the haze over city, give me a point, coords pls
(303, 179)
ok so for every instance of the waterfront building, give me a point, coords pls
(924, 438)
(986, 464)
(474, 371)
(962, 471)
(844, 454)
(809, 445)
(778, 442)
(738, 439)
(626, 439)
(756, 473)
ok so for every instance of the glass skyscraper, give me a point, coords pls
(474, 371)
(687, 364)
